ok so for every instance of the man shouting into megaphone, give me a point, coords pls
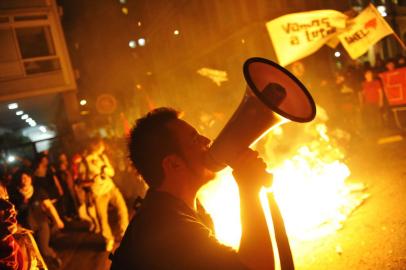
(167, 232)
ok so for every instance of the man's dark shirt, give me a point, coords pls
(167, 234)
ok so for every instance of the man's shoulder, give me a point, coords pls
(177, 239)
(155, 229)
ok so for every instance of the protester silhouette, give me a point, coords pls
(105, 191)
(166, 232)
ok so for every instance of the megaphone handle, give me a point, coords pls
(282, 241)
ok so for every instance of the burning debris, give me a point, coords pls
(311, 185)
(217, 76)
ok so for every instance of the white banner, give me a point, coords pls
(298, 35)
(365, 30)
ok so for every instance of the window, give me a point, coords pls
(35, 41)
(10, 65)
(26, 49)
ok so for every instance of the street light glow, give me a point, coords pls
(141, 42)
(43, 129)
(11, 159)
(176, 32)
(83, 102)
(337, 54)
(382, 10)
(19, 112)
(12, 106)
(132, 44)
(25, 116)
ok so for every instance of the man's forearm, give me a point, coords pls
(249, 170)
(256, 246)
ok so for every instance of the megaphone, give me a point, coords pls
(273, 96)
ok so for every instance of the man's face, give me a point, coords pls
(26, 180)
(193, 147)
(63, 158)
(369, 76)
(390, 66)
(8, 220)
(99, 148)
(44, 161)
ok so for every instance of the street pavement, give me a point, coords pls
(373, 237)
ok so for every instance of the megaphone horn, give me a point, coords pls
(273, 96)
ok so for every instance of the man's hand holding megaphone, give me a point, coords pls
(249, 170)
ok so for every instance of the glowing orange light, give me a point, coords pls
(220, 199)
(311, 188)
(132, 44)
(141, 42)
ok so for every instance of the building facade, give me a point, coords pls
(34, 60)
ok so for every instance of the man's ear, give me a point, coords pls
(172, 163)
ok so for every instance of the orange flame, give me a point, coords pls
(311, 188)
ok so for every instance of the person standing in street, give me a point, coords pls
(105, 192)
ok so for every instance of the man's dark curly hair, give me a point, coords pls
(150, 142)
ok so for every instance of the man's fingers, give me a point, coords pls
(249, 170)
(249, 160)
(243, 157)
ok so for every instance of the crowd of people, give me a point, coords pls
(355, 97)
(40, 198)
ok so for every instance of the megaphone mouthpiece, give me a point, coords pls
(274, 93)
